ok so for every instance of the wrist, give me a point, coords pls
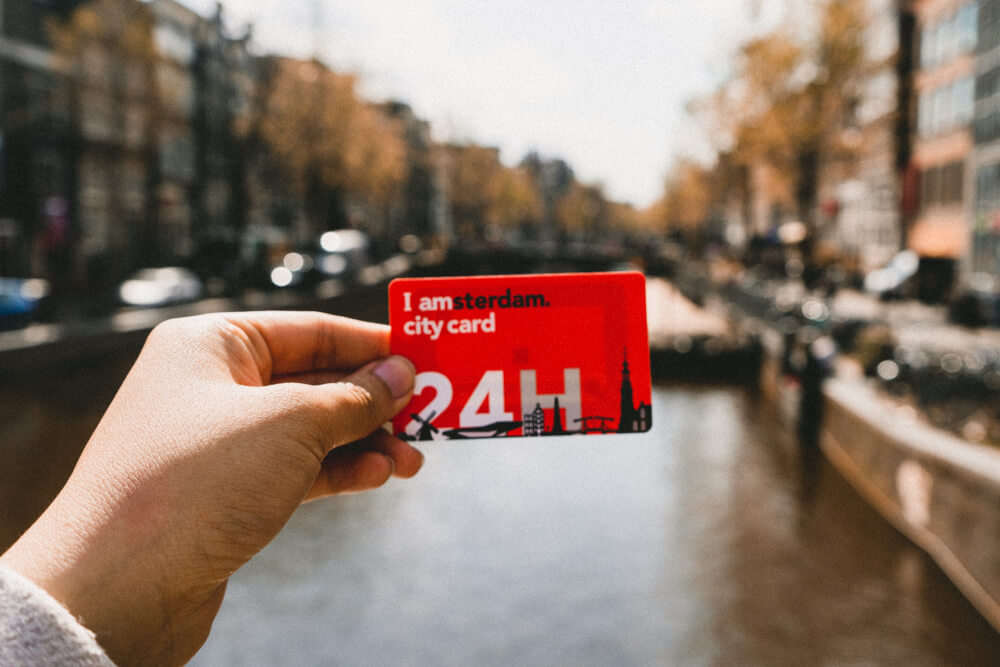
(37, 629)
(103, 588)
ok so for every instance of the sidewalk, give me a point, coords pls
(914, 324)
(41, 347)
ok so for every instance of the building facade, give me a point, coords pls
(37, 153)
(944, 84)
(865, 199)
(414, 211)
(984, 258)
(175, 33)
(123, 134)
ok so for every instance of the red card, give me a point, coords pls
(523, 355)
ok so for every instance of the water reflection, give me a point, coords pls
(43, 428)
(703, 542)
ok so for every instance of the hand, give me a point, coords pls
(224, 425)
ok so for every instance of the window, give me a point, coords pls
(942, 185)
(986, 228)
(946, 108)
(924, 115)
(989, 25)
(95, 206)
(952, 181)
(95, 64)
(96, 115)
(133, 128)
(930, 191)
(987, 106)
(962, 102)
(950, 36)
(45, 100)
(175, 43)
(966, 27)
(988, 84)
(988, 187)
(941, 109)
(176, 155)
(987, 126)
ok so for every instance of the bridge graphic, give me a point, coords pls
(595, 424)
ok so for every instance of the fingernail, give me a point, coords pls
(397, 374)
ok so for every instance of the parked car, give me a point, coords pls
(977, 303)
(22, 301)
(890, 281)
(340, 254)
(160, 286)
(344, 253)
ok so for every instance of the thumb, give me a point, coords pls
(358, 404)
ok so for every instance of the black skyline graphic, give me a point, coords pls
(427, 429)
(631, 418)
(496, 429)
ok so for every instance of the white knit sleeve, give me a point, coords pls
(36, 630)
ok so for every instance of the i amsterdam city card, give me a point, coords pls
(526, 355)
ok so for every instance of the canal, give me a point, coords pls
(708, 541)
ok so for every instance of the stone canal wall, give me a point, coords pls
(940, 491)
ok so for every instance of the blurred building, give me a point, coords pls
(864, 199)
(37, 153)
(985, 252)
(175, 32)
(442, 217)
(110, 57)
(465, 174)
(224, 73)
(552, 179)
(123, 132)
(944, 86)
(416, 210)
(844, 177)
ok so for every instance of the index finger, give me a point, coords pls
(299, 342)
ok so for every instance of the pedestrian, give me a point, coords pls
(224, 425)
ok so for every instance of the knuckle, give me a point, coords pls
(362, 402)
(346, 414)
(181, 329)
(165, 330)
(305, 419)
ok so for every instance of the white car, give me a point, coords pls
(888, 281)
(160, 287)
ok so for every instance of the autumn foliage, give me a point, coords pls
(327, 139)
(786, 113)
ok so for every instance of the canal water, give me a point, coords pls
(709, 541)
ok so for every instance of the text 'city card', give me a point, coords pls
(526, 355)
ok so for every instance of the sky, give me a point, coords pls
(602, 85)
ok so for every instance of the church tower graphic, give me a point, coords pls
(557, 425)
(632, 419)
